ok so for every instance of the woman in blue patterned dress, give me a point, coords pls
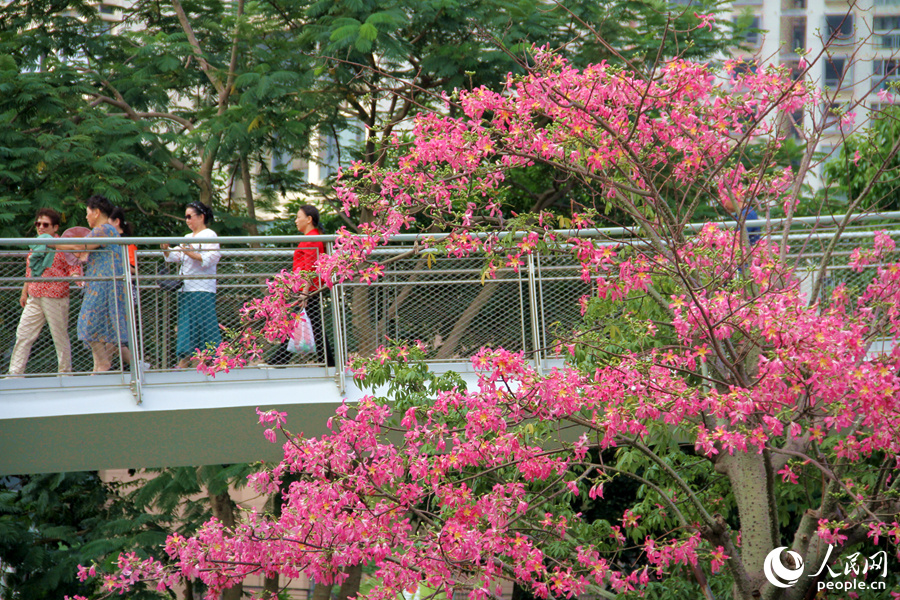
(101, 322)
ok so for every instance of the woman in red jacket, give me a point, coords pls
(305, 257)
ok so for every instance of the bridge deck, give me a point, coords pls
(147, 414)
(92, 422)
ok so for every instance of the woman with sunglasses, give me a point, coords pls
(44, 302)
(198, 324)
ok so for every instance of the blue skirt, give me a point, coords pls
(197, 322)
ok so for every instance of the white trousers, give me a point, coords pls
(37, 311)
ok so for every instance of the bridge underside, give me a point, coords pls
(89, 423)
(92, 423)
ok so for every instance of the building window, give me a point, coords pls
(832, 117)
(835, 71)
(886, 71)
(748, 24)
(281, 159)
(839, 27)
(797, 27)
(107, 9)
(887, 31)
(885, 24)
(889, 41)
(337, 152)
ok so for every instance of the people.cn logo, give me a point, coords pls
(779, 575)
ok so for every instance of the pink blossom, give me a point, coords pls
(706, 20)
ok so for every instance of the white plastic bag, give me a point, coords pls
(302, 340)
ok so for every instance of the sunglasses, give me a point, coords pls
(189, 217)
(42, 224)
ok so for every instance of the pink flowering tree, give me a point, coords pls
(715, 406)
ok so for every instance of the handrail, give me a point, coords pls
(399, 304)
(825, 220)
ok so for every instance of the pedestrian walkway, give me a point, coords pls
(146, 413)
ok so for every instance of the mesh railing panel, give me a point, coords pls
(36, 339)
(240, 277)
(444, 302)
(559, 289)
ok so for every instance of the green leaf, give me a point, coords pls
(368, 32)
(344, 32)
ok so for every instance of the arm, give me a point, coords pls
(24, 297)
(209, 255)
(96, 232)
(74, 271)
(172, 255)
(305, 257)
(73, 247)
(206, 253)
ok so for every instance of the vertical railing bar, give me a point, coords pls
(542, 314)
(136, 367)
(538, 363)
(115, 285)
(342, 346)
(337, 312)
(139, 313)
(521, 284)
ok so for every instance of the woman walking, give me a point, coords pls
(101, 322)
(305, 257)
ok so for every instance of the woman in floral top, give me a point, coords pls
(44, 302)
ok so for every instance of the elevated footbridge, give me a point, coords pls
(145, 412)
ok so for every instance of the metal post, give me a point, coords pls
(520, 285)
(542, 314)
(136, 305)
(535, 322)
(340, 347)
(137, 369)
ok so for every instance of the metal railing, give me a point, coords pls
(442, 301)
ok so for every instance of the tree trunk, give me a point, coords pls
(271, 584)
(270, 587)
(223, 509)
(751, 481)
(350, 587)
(321, 592)
(206, 171)
(252, 229)
(188, 588)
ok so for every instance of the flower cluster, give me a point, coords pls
(473, 486)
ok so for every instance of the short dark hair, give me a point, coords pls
(119, 215)
(312, 212)
(101, 203)
(51, 214)
(202, 209)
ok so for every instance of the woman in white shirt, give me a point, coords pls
(198, 324)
